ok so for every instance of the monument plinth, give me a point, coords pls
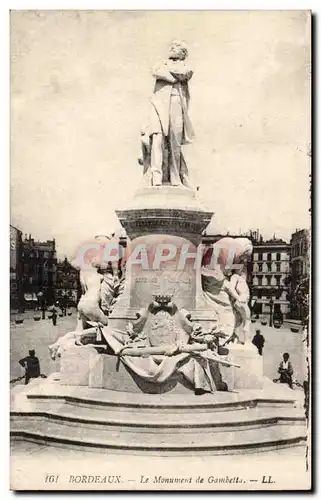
(165, 224)
(167, 210)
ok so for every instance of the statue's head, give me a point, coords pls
(178, 50)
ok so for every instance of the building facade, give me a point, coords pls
(67, 283)
(300, 272)
(39, 269)
(16, 268)
(300, 255)
(269, 279)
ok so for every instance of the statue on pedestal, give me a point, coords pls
(169, 126)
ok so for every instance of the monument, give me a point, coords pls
(164, 326)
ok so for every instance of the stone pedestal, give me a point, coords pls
(250, 375)
(158, 218)
(167, 210)
(85, 367)
(88, 368)
(77, 364)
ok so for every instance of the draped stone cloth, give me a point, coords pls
(200, 371)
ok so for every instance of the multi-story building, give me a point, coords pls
(67, 282)
(300, 271)
(16, 268)
(39, 269)
(269, 280)
(300, 255)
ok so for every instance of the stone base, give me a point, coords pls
(85, 367)
(224, 423)
(76, 366)
(108, 372)
(250, 373)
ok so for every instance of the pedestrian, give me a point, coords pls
(54, 316)
(286, 371)
(31, 365)
(258, 340)
(43, 309)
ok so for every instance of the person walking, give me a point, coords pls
(258, 340)
(31, 365)
(53, 315)
(286, 371)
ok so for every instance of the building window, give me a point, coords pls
(268, 280)
(260, 280)
(260, 256)
(278, 267)
(278, 280)
(278, 256)
(269, 256)
(269, 267)
(260, 268)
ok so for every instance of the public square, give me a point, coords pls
(39, 335)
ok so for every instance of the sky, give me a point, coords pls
(80, 87)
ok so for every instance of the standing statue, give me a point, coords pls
(241, 308)
(227, 290)
(169, 126)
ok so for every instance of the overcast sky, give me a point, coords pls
(80, 84)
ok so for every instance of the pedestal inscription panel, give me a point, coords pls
(166, 266)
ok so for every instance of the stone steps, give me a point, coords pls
(248, 421)
(52, 395)
(244, 418)
(42, 431)
(152, 409)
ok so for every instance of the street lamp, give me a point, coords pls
(271, 302)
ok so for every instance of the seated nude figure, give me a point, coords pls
(89, 305)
